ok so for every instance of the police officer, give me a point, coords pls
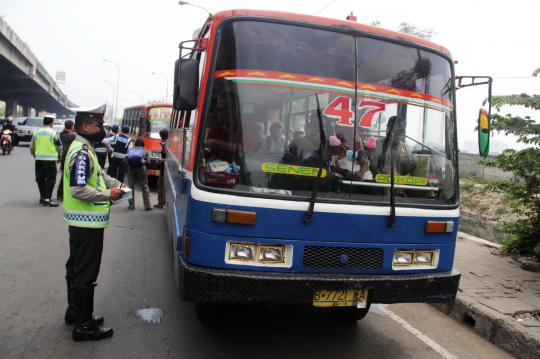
(122, 144)
(86, 211)
(110, 140)
(66, 137)
(164, 135)
(101, 149)
(46, 149)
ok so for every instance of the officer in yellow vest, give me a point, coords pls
(47, 150)
(88, 191)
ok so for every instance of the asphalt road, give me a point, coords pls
(137, 273)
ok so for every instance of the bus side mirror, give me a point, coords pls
(186, 84)
(483, 132)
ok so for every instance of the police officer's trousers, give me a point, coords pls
(117, 168)
(102, 158)
(45, 178)
(85, 249)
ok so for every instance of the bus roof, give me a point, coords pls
(149, 105)
(223, 15)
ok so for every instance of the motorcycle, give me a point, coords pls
(6, 142)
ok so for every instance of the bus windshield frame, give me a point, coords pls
(388, 102)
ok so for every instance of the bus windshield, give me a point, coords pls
(288, 100)
(158, 119)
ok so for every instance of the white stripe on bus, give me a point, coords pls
(247, 201)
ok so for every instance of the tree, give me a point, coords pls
(523, 234)
(409, 29)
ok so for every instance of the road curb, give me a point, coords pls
(500, 329)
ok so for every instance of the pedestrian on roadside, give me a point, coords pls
(122, 144)
(87, 195)
(111, 140)
(164, 135)
(66, 137)
(47, 150)
(137, 158)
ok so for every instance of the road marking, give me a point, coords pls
(421, 336)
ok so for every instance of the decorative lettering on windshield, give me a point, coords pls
(406, 180)
(336, 86)
(286, 169)
(340, 108)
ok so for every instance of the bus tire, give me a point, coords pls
(351, 313)
(209, 313)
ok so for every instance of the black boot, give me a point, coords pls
(71, 315)
(85, 328)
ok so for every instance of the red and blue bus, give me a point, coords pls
(145, 121)
(313, 161)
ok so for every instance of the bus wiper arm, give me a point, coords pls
(392, 218)
(322, 155)
(388, 141)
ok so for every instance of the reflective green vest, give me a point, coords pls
(44, 144)
(80, 213)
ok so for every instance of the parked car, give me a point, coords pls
(26, 128)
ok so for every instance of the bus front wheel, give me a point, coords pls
(351, 313)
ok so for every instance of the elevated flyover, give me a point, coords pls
(24, 81)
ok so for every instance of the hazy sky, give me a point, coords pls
(496, 38)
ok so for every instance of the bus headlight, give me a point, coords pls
(270, 254)
(415, 259)
(259, 255)
(241, 252)
(403, 258)
(423, 258)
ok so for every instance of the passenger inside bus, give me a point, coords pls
(275, 142)
(253, 136)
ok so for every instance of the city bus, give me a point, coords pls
(145, 121)
(312, 161)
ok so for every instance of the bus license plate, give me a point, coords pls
(340, 298)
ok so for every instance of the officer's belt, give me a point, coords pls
(119, 155)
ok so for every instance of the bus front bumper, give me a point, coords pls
(210, 285)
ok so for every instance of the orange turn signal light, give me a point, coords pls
(439, 226)
(234, 217)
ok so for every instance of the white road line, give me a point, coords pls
(424, 338)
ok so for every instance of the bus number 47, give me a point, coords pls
(340, 108)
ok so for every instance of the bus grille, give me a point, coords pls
(343, 258)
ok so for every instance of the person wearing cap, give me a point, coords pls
(110, 141)
(137, 159)
(101, 149)
(87, 195)
(122, 144)
(47, 150)
(164, 135)
(66, 137)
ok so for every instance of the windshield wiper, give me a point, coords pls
(392, 218)
(388, 142)
(322, 155)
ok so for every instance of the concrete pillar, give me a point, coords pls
(11, 108)
(27, 111)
